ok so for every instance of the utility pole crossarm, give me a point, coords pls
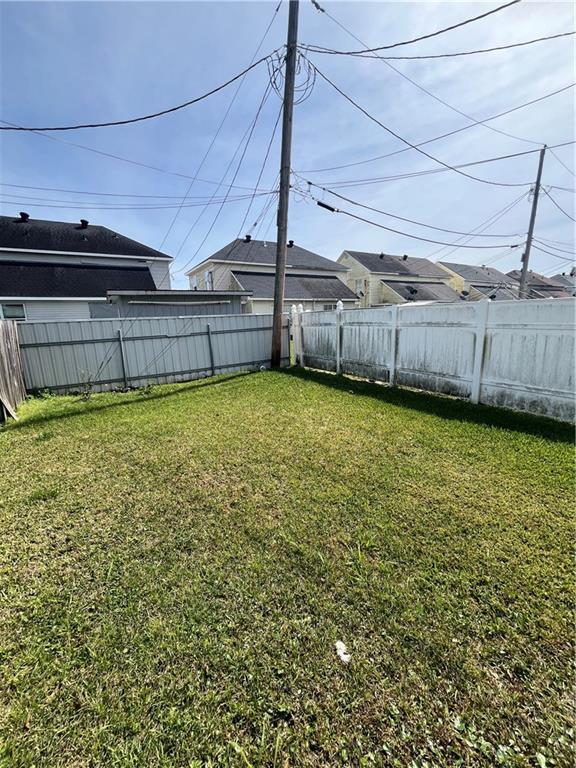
(283, 199)
(524, 292)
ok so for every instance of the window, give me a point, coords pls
(194, 282)
(12, 312)
(208, 280)
(359, 287)
(329, 307)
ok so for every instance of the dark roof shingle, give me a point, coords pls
(415, 291)
(385, 263)
(297, 288)
(36, 278)
(264, 252)
(479, 275)
(42, 235)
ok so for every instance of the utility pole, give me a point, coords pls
(282, 221)
(526, 255)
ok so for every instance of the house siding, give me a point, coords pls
(39, 311)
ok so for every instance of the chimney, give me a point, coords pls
(247, 238)
(24, 216)
(83, 224)
(290, 244)
(405, 257)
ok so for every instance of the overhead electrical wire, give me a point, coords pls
(414, 146)
(322, 50)
(444, 135)
(403, 218)
(142, 118)
(109, 194)
(430, 34)
(426, 90)
(246, 141)
(333, 209)
(557, 205)
(342, 184)
(87, 205)
(562, 163)
(562, 258)
(554, 247)
(220, 126)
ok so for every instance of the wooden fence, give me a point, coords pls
(12, 390)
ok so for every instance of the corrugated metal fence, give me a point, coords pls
(516, 354)
(109, 354)
(12, 390)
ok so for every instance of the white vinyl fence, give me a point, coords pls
(515, 354)
(110, 354)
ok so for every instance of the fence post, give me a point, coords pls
(339, 308)
(393, 344)
(210, 349)
(123, 358)
(295, 331)
(481, 322)
(300, 309)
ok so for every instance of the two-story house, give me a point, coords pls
(55, 270)
(250, 265)
(541, 287)
(380, 278)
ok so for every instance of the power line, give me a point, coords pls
(444, 135)
(409, 144)
(402, 218)
(87, 205)
(562, 163)
(110, 194)
(320, 49)
(425, 90)
(562, 258)
(484, 225)
(247, 137)
(558, 206)
(143, 117)
(414, 174)
(554, 247)
(429, 35)
(399, 232)
(220, 126)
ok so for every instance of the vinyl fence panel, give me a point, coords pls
(516, 354)
(108, 354)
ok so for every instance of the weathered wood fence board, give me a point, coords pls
(515, 354)
(12, 390)
(110, 354)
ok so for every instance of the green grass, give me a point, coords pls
(177, 565)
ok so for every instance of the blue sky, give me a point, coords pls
(67, 62)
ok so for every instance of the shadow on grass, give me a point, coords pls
(443, 406)
(81, 407)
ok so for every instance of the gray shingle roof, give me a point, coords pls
(41, 235)
(414, 291)
(298, 287)
(385, 263)
(264, 252)
(541, 286)
(35, 278)
(478, 275)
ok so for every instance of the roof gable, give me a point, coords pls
(62, 237)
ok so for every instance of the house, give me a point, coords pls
(173, 303)
(481, 282)
(541, 287)
(250, 265)
(567, 281)
(55, 270)
(380, 278)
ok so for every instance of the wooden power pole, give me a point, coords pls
(524, 292)
(282, 236)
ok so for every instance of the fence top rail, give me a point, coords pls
(285, 315)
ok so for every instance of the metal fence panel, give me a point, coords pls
(108, 354)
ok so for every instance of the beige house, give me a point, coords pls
(380, 278)
(480, 282)
(250, 265)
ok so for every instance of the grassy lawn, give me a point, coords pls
(176, 566)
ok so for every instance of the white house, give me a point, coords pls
(380, 278)
(55, 270)
(250, 265)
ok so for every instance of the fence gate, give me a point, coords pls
(12, 390)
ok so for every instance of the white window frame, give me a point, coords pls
(13, 304)
(209, 280)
